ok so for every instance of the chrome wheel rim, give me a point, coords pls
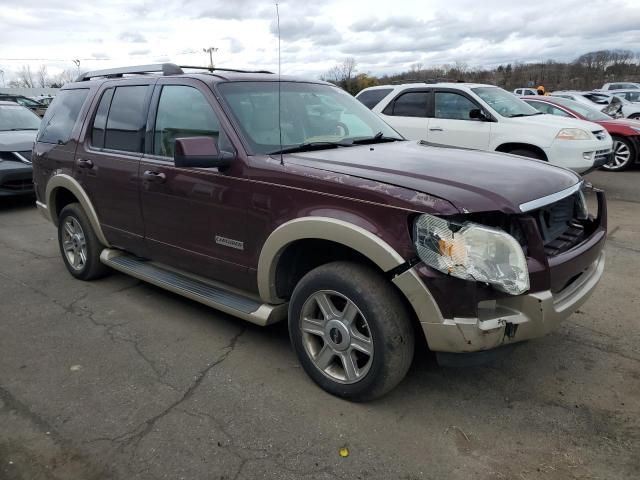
(336, 337)
(621, 155)
(74, 243)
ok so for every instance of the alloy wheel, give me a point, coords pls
(621, 156)
(336, 336)
(74, 243)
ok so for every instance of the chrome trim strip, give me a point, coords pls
(554, 197)
(22, 158)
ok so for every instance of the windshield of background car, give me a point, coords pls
(15, 117)
(586, 111)
(308, 112)
(504, 103)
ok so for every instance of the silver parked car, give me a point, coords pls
(18, 128)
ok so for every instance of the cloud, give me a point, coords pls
(144, 51)
(132, 37)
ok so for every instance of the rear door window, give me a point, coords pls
(127, 119)
(100, 121)
(61, 116)
(371, 98)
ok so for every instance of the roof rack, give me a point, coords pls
(164, 68)
(216, 69)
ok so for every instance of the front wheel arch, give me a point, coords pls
(509, 147)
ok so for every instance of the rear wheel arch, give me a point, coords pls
(62, 190)
(512, 146)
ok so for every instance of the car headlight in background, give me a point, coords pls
(472, 252)
(573, 134)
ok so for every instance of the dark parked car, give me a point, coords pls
(269, 199)
(36, 107)
(624, 132)
(18, 128)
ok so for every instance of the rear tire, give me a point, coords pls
(524, 152)
(624, 155)
(350, 330)
(79, 246)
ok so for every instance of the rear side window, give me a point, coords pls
(100, 121)
(127, 119)
(371, 98)
(411, 104)
(61, 116)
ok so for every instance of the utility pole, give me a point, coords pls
(2, 75)
(210, 51)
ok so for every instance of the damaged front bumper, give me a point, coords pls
(515, 319)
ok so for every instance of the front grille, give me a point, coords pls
(600, 134)
(559, 226)
(18, 185)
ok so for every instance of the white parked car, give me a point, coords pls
(621, 86)
(602, 100)
(485, 117)
(525, 91)
(632, 96)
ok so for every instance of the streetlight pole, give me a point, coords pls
(2, 75)
(210, 51)
(77, 62)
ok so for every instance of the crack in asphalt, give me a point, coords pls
(138, 433)
(22, 250)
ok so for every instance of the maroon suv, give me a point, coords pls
(270, 198)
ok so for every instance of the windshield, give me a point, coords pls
(310, 113)
(15, 117)
(588, 112)
(505, 103)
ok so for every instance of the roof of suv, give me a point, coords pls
(172, 70)
(402, 86)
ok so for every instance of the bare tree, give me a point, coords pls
(64, 77)
(25, 78)
(343, 74)
(43, 78)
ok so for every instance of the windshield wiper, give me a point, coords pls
(310, 146)
(377, 138)
(516, 115)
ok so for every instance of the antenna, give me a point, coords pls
(279, 68)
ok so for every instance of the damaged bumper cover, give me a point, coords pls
(510, 320)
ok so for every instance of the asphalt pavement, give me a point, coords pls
(116, 379)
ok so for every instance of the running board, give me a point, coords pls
(195, 288)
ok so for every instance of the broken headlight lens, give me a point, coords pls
(472, 252)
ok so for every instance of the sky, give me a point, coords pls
(383, 36)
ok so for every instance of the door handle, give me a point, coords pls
(435, 129)
(82, 163)
(157, 177)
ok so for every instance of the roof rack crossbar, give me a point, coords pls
(164, 68)
(216, 69)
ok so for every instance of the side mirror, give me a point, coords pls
(478, 114)
(199, 152)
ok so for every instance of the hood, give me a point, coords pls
(18, 141)
(554, 121)
(473, 181)
(622, 122)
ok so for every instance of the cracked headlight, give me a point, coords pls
(472, 252)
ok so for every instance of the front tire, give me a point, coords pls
(350, 330)
(79, 246)
(623, 155)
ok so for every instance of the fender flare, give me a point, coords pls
(69, 183)
(321, 228)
